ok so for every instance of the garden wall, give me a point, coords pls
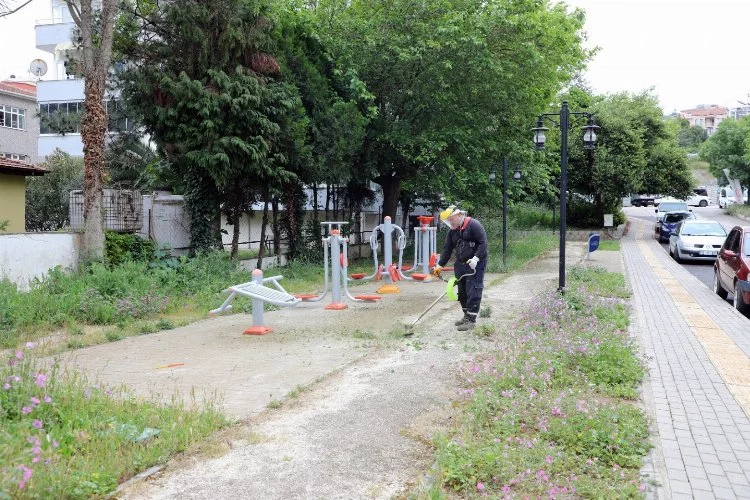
(25, 256)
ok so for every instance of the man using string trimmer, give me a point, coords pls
(469, 239)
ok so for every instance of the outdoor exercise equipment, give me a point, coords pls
(425, 249)
(259, 293)
(336, 246)
(388, 271)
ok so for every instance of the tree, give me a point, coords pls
(454, 81)
(729, 148)
(690, 137)
(635, 151)
(48, 196)
(95, 20)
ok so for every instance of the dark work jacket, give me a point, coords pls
(469, 240)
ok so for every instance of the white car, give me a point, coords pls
(696, 240)
(698, 200)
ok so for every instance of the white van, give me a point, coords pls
(726, 197)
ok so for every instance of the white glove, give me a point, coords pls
(473, 262)
(437, 270)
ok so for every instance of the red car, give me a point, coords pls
(732, 268)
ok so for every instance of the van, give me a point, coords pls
(726, 197)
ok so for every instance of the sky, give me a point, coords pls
(690, 52)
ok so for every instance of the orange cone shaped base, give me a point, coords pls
(419, 276)
(336, 306)
(305, 296)
(389, 289)
(358, 276)
(257, 330)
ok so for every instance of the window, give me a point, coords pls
(15, 156)
(11, 117)
(60, 117)
(65, 117)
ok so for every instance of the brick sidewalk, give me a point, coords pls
(698, 381)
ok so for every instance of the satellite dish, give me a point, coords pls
(38, 67)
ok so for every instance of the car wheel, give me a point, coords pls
(677, 255)
(670, 251)
(703, 203)
(739, 304)
(718, 289)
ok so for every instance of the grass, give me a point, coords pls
(550, 412)
(612, 245)
(64, 437)
(743, 210)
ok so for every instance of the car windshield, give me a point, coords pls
(703, 229)
(673, 218)
(672, 207)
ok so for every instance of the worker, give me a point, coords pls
(469, 239)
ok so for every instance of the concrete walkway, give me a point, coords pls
(698, 386)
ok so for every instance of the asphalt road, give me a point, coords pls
(704, 271)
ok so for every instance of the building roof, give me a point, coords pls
(20, 89)
(712, 111)
(16, 167)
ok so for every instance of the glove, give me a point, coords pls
(473, 262)
(437, 270)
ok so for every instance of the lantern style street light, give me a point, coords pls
(517, 177)
(589, 143)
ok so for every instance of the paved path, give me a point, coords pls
(698, 386)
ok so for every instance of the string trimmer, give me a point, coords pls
(449, 291)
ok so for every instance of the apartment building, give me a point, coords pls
(19, 124)
(705, 116)
(60, 93)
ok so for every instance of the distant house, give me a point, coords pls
(13, 175)
(707, 117)
(19, 123)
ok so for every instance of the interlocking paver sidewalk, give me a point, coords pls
(694, 390)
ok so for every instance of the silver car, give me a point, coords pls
(696, 239)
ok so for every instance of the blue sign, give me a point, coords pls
(593, 242)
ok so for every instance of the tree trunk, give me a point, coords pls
(328, 201)
(391, 190)
(315, 204)
(262, 250)
(96, 53)
(276, 231)
(93, 130)
(236, 216)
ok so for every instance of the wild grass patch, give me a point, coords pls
(63, 437)
(550, 413)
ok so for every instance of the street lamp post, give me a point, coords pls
(589, 142)
(516, 176)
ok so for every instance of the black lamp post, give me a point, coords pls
(516, 176)
(589, 142)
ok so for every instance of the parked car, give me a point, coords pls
(642, 200)
(696, 239)
(670, 221)
(727, 197)
(669, 206)
(732, 268)
(698, 200)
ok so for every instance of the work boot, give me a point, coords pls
(466, 326)
(461, 321)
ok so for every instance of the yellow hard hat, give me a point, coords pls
(450, 211)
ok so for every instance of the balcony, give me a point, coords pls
(70, 143)
(59, 90)
(50, 33)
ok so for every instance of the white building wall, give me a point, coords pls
(26, 256)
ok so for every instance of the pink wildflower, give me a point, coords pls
(47, 399)
(37, 424)
(40, 380)
(549, 459)
(31, 345)
(26, 410)
(480, 486)
(26, 476)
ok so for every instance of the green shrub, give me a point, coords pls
(120, 247)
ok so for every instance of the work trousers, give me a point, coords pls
(470, 288)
